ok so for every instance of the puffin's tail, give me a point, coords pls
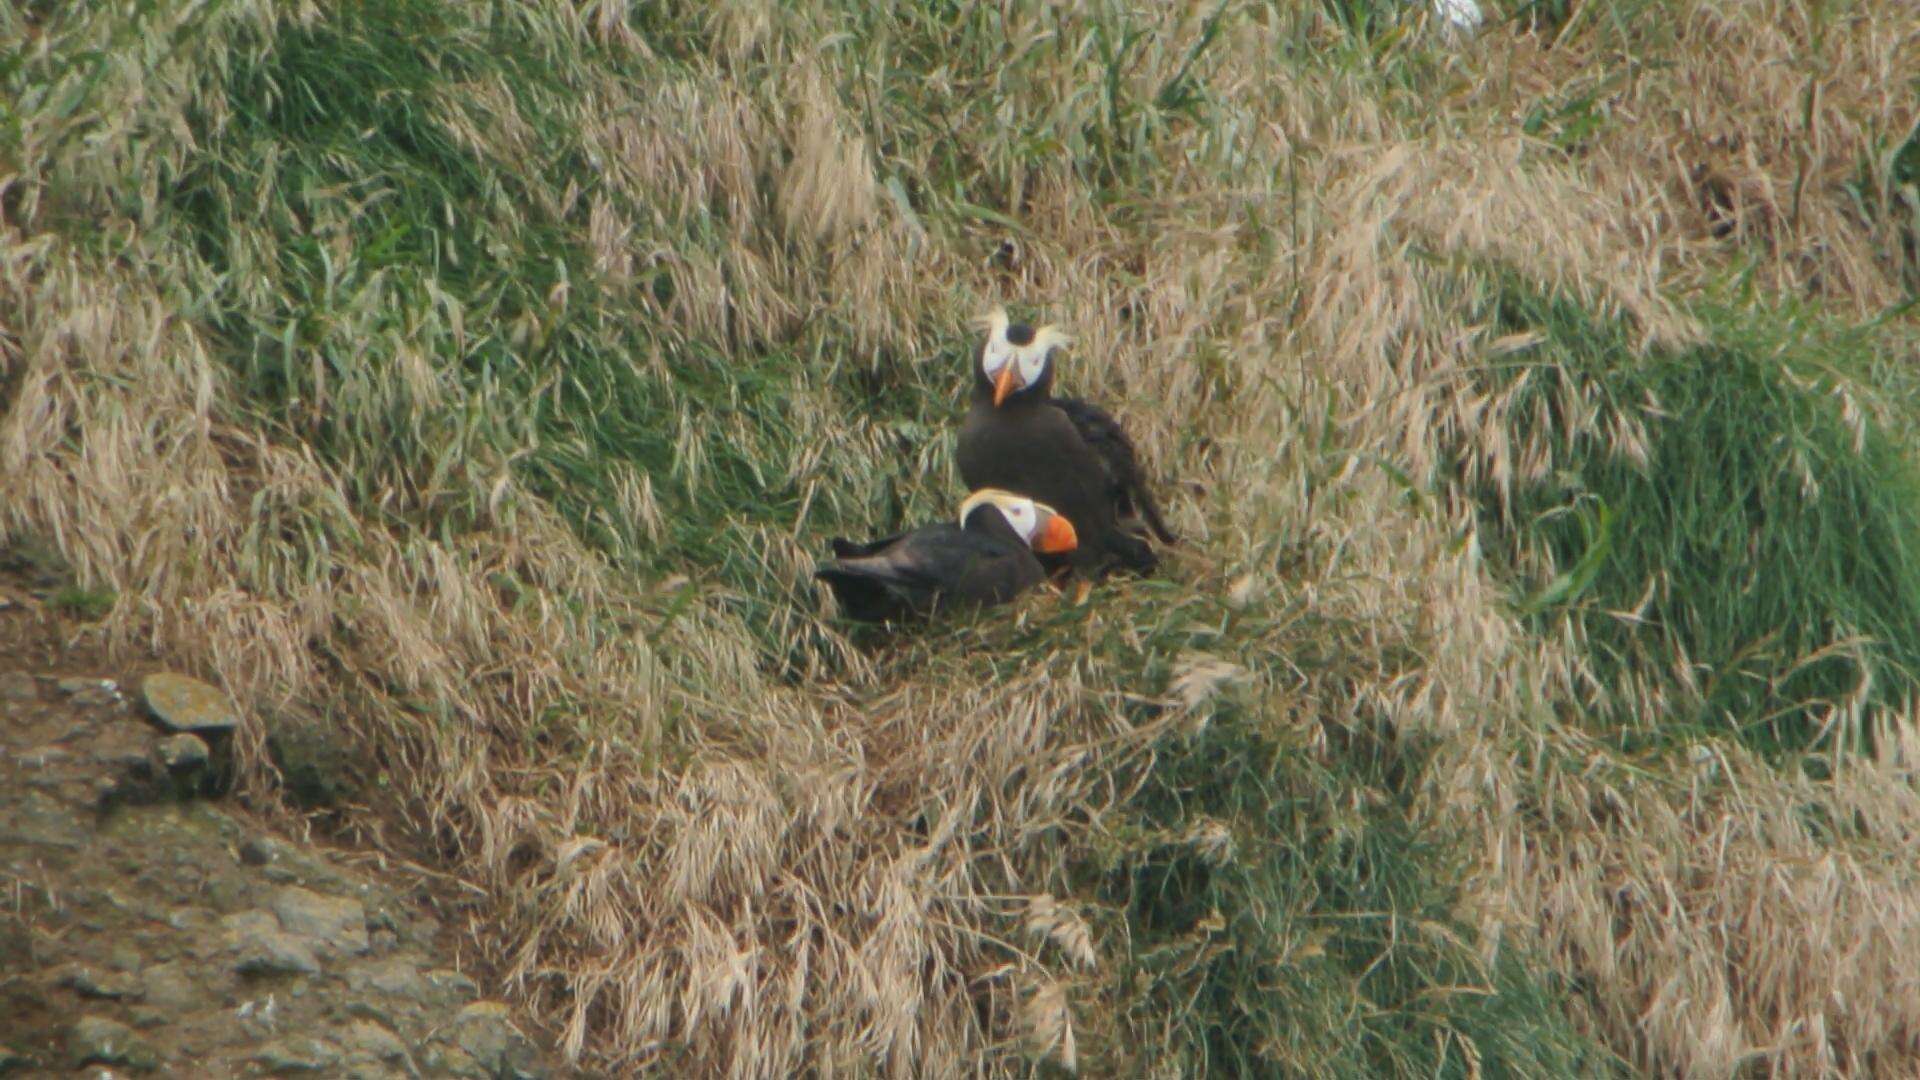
(1150, 513)
(867, 589)
(1132, 553)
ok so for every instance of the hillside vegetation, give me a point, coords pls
(470, 388)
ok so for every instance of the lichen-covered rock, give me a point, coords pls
(396, 977)
(335, 924)
(453, 985)
(183, 752)
(261, 947)
(111, 985)
(168, 986)
(298, 1054)
(95, 1040)
(485, 1031)
(91, 692)
(318, 765)
(186, 704)
(374, 1039)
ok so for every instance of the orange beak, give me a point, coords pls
(1056, 537)
(1003, 385)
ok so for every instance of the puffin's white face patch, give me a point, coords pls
(1021, 512)
(1030, 360)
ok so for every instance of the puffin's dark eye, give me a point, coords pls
(1020, 334)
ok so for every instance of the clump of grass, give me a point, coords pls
(87, 604)
(1292, 905)
(1728, 522)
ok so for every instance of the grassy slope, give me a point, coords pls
(479, 381)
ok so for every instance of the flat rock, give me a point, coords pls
(485, 1031)
(95, 1040)
(190, 918)
(19, 687)
(90, 691)
(337, 923)
(185, 704)
(259, 850)
(41, 756)
(396, 977)
(453, 984)
(298, 1054)
(371, 1038)
(168, 986)
(260, 947)
(112, 985)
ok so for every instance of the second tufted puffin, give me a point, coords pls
(1068, 453)
(986, 559)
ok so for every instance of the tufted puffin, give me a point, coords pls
(986, 559)
(1068, 453)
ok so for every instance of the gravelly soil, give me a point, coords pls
(149, 928)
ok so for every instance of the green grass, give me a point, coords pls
(1291, 908)
(1769, 536)
(86, 604)
(380, 224)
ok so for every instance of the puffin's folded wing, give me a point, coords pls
(1102, 432)
(917, 571)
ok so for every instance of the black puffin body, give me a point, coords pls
(1067, 453)
(987, 559)
(1102, 431)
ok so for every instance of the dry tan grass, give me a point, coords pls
(866, 876)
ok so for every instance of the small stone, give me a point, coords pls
(299, 1054)
(96, 1040)
(261, 947)
(338, 923)
(396, 977)
(453, 984)
(170, 987)
(19, 687)
(485, 1031)
(382, 918)
(258, 851)
(373, 1039)
(184, 704)
(319, 765)
(41, 757)
(112, 985)
(91, 691)
(452, 1061)
(183, 752)
(189, 918)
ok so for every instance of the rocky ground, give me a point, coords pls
(149, 926)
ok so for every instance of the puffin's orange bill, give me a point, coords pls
(1003, 385)
(1056, 537)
